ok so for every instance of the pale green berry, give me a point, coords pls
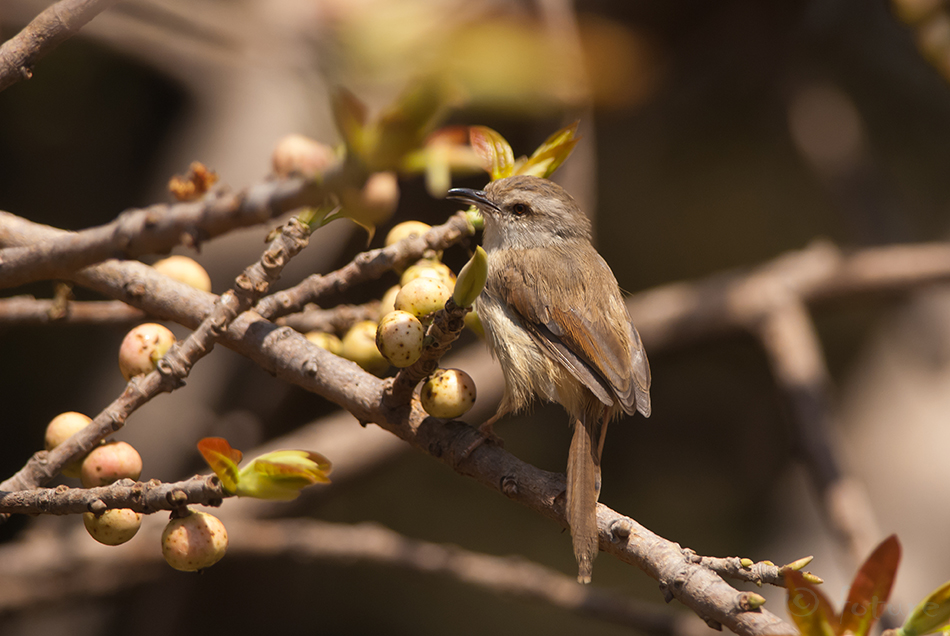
(109, 463)
(325, 341)
(429, 268)
(422, 296)
(142, 348)
(399, 338)
(184, 270)
(388, 302)
(194, 542)
(113, 527)
(449, 393)
(359, 345)
(61, 428)
(405, 230)
(473, 322)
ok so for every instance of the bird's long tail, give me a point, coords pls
(583, 489)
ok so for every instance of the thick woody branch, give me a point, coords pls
(152, 230)
(682, 313)
(48, 30)
(145, 497)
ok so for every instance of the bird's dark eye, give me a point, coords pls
(519, 208)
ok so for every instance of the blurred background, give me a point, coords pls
(716, 136)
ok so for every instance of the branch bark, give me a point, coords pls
(48, 30)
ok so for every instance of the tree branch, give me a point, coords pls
(152, 230)
(48, 30)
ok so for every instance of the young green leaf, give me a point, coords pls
(931, 615)
(808, 607)
(350, 116)
(222, 459)
(277, 475)
(471, 280)
(282, 474)
(495, 152)
(871, 588)
(552, 153)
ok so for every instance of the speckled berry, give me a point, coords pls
(109, 463)
(61, 428)
(325, 341)
(142, 348)
(359, 345)
(399, 338)
(422, 296)
(429, 268)
(184, 270)
(113, 527)
(405, 230)
(194, 542)
(449, 393)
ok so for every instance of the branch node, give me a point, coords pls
(509, 486)
(97, 507)
(311, 368)
(26, 72)
(749, 601)
(714, 624)
(177, 498)
(667, 593)
(620, 529)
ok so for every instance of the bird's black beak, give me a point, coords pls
(478, 198)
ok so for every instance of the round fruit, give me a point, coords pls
(61, 428)
(184, 270)
(194, 542)
(113, 527)
(142, 348)
(422, 296)
(359, 345)
(299, 154)
(449, 393)
(399, 338)
(109, 463)
(429, 268)
(325, 341)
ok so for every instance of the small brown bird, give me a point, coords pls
(555, 320)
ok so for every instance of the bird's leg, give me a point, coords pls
(488, 433)
(487, 429)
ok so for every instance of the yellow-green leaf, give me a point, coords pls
(282, 474)
(495, 152)
(471, 280)
(931, 615)
(552, 153)
(350, 116)
(808, 607)
(222, 459)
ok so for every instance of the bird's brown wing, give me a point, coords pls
(593, 338)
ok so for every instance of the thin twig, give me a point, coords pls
(152, 230)
(26, 310)
(144, 497)
(335, 320)
(49, 29)
(366, 266)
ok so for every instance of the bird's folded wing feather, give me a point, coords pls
(584, 338)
